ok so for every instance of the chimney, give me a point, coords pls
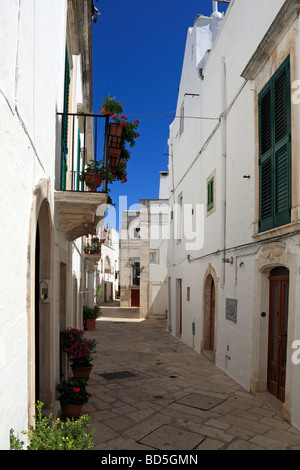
(215, 6)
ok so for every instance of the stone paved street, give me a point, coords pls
(161, 395)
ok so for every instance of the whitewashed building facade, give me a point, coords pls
(46, 70)
(233, 256)
(107, 272)
(143, 255)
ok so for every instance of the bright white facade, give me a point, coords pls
(107, 277)
(154, 223)
(143, 255)
(42, 269)
(224, 264)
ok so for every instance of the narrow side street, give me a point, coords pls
(152, 392)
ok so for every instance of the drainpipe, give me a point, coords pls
(224, 155)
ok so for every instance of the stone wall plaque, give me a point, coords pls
(231, 310)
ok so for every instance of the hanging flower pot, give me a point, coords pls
(93, 181)
(111, 105)
(116, 133)
(105, 113)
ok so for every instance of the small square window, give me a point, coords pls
(152, 257)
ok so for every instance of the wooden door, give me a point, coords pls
(212, 316)
(135, 297)
(278, 321)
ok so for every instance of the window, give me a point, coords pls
(107, 268)
(136, 274)
(152, 257)
(210, 194)
(188, 294)
(274, 104)
(179, 225)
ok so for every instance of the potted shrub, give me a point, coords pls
(80, 351)
(110, 106)
(49, 433)
(93, 174)
(90, 316)
(72, 396)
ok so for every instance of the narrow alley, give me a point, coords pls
(152, 392)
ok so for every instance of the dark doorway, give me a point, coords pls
(278, 322)
(37, 314)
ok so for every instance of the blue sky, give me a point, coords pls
(138, 49)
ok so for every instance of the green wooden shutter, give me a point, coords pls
(274, 147)
(65, 122)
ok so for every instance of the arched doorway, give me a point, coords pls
(43, 330)
(208, 341)
(278, 324)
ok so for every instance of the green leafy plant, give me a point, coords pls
(91, 313)
(80, 350)
(73, 391)
(112, 106)
(95, 167)
(49, 434)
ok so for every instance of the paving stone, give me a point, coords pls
(171, 438)
(284, 436)
(268, 442)
(210, 444)
(240, 444)
(128, 412)
(253, 426)
(119, 422)
(199, 401)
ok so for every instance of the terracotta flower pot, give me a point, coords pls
(116, 130)
(90, 324)
(81, 372)
(95, 181)
(105, 113)
(71, 410)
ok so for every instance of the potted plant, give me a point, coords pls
(72, 396)
(94, 173)
(90, 316)
(80, 351)
(87, 249)
(50, 433)
(110, 106)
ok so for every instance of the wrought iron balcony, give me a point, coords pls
(80, 203)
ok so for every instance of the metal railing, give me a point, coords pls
(84, 141)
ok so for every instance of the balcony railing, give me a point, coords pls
(84, 144)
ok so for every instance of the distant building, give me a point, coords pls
(130, 259)
(143, 255)
(107, 270)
